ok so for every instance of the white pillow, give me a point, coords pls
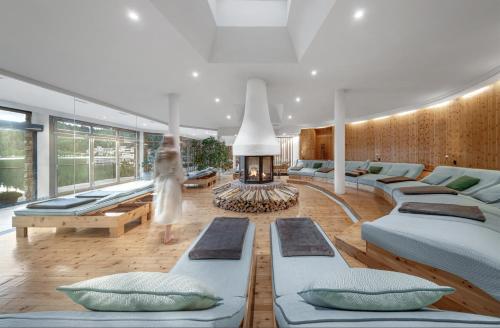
(142, 291)
(373, 290)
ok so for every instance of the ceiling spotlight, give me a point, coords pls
(195, 74)
(289, 117)
(134, 16)
(298, 99)
(359, 14)
(314, 72)
(217, 100)
(228, 117)
(144, 124)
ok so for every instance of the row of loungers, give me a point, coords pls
(466, 248)
(233, 281)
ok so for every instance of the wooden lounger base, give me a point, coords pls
(203, 182)
(249, 307)
(467, 298)
(114, 218)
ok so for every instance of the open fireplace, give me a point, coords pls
(256, 169)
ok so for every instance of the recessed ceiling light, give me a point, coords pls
(228, 117)
(359, 14)
(298, 99)
(217, 100)
(314, 72)
(144, 124)
(134, 16)
(104, 117)
(195, 74)
(289, 117)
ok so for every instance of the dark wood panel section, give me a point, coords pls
(316, 143)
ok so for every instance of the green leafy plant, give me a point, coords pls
(9, 196)
(210, 152)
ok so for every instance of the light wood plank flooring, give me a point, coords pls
(31, 268)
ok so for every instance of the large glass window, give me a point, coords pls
(90, 155)
(16, 157)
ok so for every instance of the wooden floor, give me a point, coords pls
(31, 268)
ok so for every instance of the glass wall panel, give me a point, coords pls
(16, 158)
(128, 159)
(105, 161)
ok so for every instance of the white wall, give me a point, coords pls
(295, 150)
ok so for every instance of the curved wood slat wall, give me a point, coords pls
(464, 133)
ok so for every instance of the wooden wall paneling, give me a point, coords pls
(467, 130)
(323, 143)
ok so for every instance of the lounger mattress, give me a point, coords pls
(228, 314)
(467, 249)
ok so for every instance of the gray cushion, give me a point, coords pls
(489, 195)
(142, 291)
(373, 290)
(397, 171)
(436, 178)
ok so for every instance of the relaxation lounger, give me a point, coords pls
(113, 211)
(292, 274)
(231, 279)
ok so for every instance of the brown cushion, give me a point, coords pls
(427, 190)
(325, 169)
(360, 171)
(395, 179)
(467, 212)
(353, 174)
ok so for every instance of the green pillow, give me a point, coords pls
(373, 290)
(317, 165)
(375, 169)
(463, 182)
(142, 291)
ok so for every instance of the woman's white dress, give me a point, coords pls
(169, 177)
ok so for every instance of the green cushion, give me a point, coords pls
(375, 169)
(463, 182)
(317, 165)
(142, 291)
(373, 290)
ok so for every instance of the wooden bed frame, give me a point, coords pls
(467, 298)
(113, 217)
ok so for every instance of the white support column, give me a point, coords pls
(173, 116)
(339, 112)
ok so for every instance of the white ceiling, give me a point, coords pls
(403, 53)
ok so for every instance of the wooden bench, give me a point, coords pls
(112, 218)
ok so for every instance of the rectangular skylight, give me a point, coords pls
(250, 13)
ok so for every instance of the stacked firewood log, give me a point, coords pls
(255, 200)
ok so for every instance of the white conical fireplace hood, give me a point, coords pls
(256, 136)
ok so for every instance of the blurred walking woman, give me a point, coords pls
(169, 177)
